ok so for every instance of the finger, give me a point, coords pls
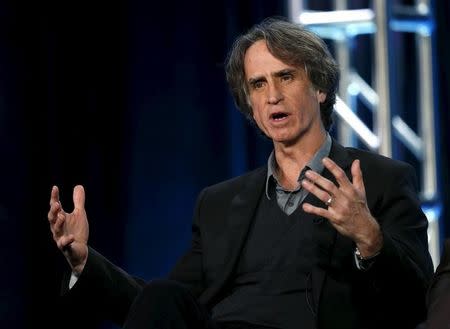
(65, 241)
(357, 177)
(322, 182)
(53, 212)
(54, 200)
(309, 208)
(337, 172)
(321, 194)
(59, 225)
(54, 195)
(78, 197)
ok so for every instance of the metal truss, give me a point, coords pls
(388, 133)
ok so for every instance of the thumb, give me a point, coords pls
(357, 177)
(78, 197)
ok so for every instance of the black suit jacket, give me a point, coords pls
(390, 295)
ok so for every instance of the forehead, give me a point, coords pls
(259, 61)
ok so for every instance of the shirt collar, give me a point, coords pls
(314, 164)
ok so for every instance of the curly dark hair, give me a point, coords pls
(294, 45)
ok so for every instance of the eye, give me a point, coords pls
(258, 84)
(287, 77)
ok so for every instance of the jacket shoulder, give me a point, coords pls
(237, 183)
(221, 194)
(374, 161)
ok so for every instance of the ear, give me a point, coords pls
(321, 96)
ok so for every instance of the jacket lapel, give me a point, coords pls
(242, 212)
(243, 207)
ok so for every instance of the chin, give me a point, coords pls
(283, 140)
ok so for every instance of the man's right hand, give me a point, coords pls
(70, 230)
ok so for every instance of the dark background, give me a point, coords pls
(129, 99)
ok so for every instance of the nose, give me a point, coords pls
(274, 94)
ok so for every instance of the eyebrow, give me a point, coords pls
(285, 71)
(275, 74)
(252, 81)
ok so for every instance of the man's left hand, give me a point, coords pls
(347, 208)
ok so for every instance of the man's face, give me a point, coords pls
(285, 105)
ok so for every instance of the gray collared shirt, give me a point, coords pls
(290, 200)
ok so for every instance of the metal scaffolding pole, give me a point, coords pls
(383, 117)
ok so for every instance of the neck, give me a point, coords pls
(291, 159)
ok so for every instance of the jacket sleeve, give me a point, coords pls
(102, 292)
(400, 276)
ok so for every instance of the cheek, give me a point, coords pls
(254, 105)
(256, 116)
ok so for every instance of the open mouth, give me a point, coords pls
(278, 116)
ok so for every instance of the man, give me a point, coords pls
(322, 237)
